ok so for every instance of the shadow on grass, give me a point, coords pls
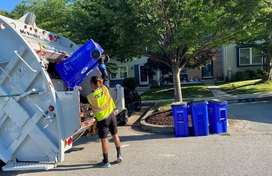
(188, 91)
(233, 89)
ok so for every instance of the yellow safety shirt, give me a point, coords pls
(101, 102)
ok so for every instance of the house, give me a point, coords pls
(240, 59)
(228, 60)
(134, 69)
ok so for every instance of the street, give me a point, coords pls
(245, 150)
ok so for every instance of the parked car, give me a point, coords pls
(133, 103)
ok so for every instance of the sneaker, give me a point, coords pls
(104, 165)
(119, 159)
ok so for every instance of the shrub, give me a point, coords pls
(130, 83)
(262, 72)
(251, 74)
(239, 76)
(259, 76)
(154, 85)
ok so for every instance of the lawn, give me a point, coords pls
(246, 87)
(201, 91)
(188, 91)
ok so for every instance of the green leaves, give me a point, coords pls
(184, 31)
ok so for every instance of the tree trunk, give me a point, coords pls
(267, 67)
(270, 74)
(176, 83)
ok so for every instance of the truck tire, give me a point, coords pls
(122, 123)
(139, 107)
(123, 118)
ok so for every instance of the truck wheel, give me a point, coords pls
(122, 123)
(123, 118)
(139, 107)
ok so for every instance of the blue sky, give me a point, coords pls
(9, 5)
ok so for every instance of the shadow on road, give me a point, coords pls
(254, 111)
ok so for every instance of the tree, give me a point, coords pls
(51, 15)
(186, 31)
(258, 35)
(153, 65)
(4, 13)
(102, 20)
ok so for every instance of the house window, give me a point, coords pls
(250, 56)
(121, 73)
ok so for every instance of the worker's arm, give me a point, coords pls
(105, 76)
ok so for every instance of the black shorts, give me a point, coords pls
(106, 125)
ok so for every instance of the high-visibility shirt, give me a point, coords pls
(101, 102)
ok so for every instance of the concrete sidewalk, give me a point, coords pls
(219, 94)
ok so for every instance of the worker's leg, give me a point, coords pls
(116, 140)
(103, 135)
(113, 130)
(105, 149)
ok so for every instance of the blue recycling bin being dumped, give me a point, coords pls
(199, 114)
(74, 69)
(218, 115)
(180, 115)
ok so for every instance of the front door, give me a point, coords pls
(207, 70)
(143, 78)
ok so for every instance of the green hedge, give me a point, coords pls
(131, 83)
(246, 75)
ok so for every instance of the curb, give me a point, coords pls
(171, 130)
(229, 100)
(155, 128)
(244, 100)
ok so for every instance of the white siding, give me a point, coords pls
(130, 65)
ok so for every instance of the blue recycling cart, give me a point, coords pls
(199, 114)
(74, 69)
(218, 115)
(180, 115)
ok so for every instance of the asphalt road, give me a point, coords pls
(245, 151)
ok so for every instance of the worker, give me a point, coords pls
(103, 106)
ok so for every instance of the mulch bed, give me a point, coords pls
(165, 118)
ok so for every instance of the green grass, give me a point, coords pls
(201, 91)
(246, 87)
(166, 105)
(188, 91)
(225, 134)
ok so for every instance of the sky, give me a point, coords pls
(8, 5)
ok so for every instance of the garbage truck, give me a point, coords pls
(41, 75)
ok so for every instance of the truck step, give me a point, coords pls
(18, 166)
